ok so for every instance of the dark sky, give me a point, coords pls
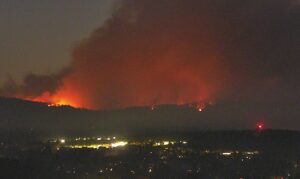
(38, 36)
(158, 52)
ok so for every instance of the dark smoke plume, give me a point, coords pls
(34, 85)
(183, 51)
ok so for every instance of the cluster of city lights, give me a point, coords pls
(229, 153)
(97, 146)
(108, 142)
(165, 143)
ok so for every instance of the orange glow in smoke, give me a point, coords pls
(59, 99)
(63, 102)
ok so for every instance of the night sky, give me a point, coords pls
(109, 55)
(38, 36)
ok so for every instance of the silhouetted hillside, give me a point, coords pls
(20, 115)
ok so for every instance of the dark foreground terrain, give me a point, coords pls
(223, 154)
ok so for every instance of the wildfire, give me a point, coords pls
(153, 107)
(61, 103)
(200, 107)
(56, 100)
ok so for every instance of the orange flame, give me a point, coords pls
(57, 100)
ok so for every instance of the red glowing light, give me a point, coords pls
(260, 126)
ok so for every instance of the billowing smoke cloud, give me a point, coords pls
(183, 51)
(34, 86)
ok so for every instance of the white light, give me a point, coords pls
(249, 153)
(62, 141)
(119, 144)
(166, 142)
(226, 153)
(157, 144)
